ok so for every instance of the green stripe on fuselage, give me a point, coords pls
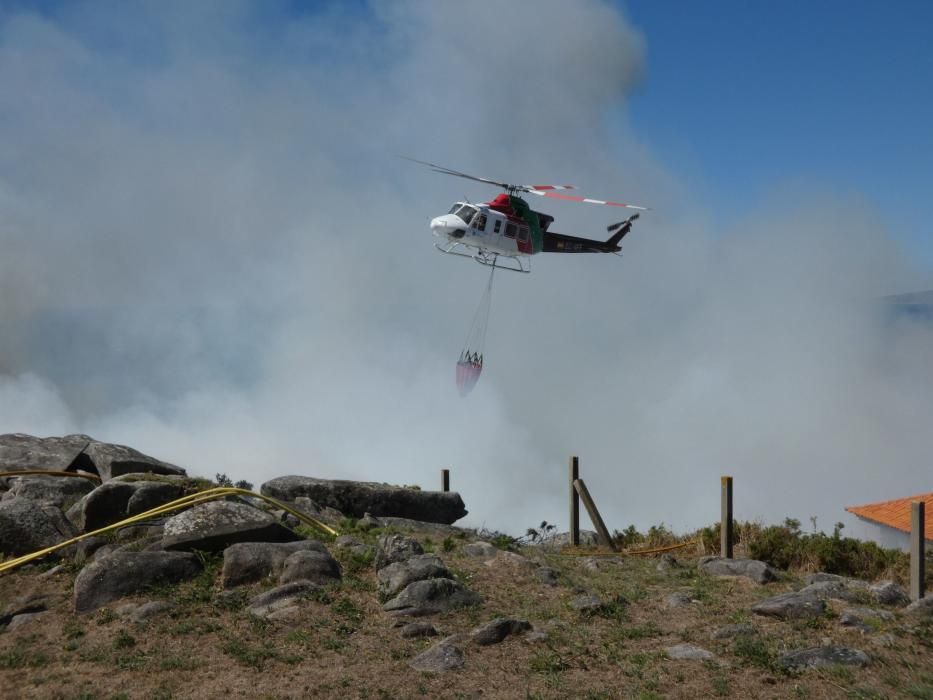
(523, 211)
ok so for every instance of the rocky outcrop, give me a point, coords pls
(117, 500)
(395, 548)
(398, 575)
(433, 596)
(61, 492)
(27, 526)
(124, 573)
(249, 562)
(74, 452)
(355, 498)
(20, 452)
(213, 526)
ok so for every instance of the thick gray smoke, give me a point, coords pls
(208, 251)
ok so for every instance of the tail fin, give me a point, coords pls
(623, 228)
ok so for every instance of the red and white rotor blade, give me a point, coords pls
(585, 200)
(538, 189)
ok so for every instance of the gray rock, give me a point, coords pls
(586, 603)
(31, 602)
(497, 630)
(25, 619)
(110, 460)
(680, 599)
(851, 590)
(395, 548)
(921, 609)
(823, 656)
(889, 593)
(588, 538)
(667, 562)
(248, 562)
(859, 617)
(687, 652)
(885, 641)
(355, 498)
(124, 573)
(482, 550)
(20, 452)
(58, 491)
(547, 575)
(415, 630)
(117, 500)
(424, 527)
(311, 565)
(791, 606)
(743, 629)
(369, 522)
(347, 541)
(324, 513)
(27, 526)
(285, 614)
(215, 525)
(280, 597)
(757, 571)
(439, 658)
(510, 558)
(398, 575)
(141, 612)
(54, 571)
(86, 548)
(429, 597)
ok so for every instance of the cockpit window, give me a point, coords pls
(453, 209)
(466, 213)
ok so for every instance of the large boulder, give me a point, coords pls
(757, 571)
(117, 500)
(73, 452)
(19, 452)
(435, 595)
(248, 562)
(111, 460)
(356, 498)
(124, 573)
(58, 491)
(214, 526)
(27, 526)
(842, 588)
(310, 565)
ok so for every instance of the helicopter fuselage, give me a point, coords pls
(505, 226)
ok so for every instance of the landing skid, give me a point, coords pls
(486, 258)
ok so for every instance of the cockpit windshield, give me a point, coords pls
(453, 209)
(467, 213)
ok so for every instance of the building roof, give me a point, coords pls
(896, 513)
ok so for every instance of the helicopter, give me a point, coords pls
(507, 227)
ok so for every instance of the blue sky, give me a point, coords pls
(744, 96)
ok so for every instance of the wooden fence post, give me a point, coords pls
(595, 517)
(574, 503)
(445, 480)
(725, 528)
(917, 554)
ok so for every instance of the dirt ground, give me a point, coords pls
(342, 645)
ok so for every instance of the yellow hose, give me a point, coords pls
(586, 552)
(42, 472)
(184, 502)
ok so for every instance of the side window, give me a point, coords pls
(497, 226)
(479, 223)
(510, 230)
(523, 233)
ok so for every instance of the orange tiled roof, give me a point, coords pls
(896, 513)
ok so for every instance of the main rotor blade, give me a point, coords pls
(585, 200)
(456, 173)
